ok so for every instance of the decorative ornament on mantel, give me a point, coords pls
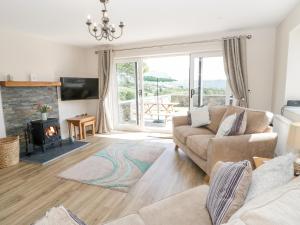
(44, 109)
(103, 29)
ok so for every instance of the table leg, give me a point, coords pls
(70, 130)
(75, 135)
(94, 129)
(84, 131)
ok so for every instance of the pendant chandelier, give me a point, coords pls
(103, 29)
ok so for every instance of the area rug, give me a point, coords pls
(118, 166)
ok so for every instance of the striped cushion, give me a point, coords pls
(226, 126)
(228, 190)
(239, 125)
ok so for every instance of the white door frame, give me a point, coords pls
(192, 71)
(140, 84)
(139, 80)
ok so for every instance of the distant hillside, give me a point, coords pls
(220, 84)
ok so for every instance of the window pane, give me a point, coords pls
(127, 96)
(214, 81)
(166, 89)
(212, 88)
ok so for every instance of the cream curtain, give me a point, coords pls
(234, 50)
(104, 71)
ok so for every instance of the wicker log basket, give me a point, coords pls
(9, 151)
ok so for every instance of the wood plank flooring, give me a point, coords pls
(27, 191)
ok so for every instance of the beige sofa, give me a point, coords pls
(278, 206)
(201, 145)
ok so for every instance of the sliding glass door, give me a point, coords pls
(208, 82)
(166, 90)
(128, 93)
(150, 91)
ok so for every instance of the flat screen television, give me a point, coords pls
(73, 88)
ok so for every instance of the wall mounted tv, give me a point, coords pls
(73, 88)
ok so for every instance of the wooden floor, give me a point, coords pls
(27, 191)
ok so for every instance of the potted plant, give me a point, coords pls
(44, 109)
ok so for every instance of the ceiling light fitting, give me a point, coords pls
(103, 29)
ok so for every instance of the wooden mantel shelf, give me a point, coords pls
(29, 84)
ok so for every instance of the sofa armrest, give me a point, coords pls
(243, 147)
(180, 121)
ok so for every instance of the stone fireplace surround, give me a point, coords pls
(19, 106)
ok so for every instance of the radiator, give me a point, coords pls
(281, 126)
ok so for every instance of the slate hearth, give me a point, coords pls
(19, 107)
(40, 157)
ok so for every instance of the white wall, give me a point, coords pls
(292, 91)
(281, 61)
(21, 55)
(260, 57)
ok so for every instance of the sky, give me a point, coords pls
(178, 67)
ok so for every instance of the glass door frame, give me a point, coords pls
(139, 96)
(192, 73)
(140, 126)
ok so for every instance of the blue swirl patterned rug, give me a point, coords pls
(118, 166)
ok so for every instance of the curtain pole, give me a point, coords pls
(249, 36)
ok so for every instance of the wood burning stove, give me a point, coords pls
(44, 133)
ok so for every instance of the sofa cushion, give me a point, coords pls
(216, 114)
(226, 126)
(186, 208)
(257, 121)
(182, 132)
(278, 206)
(200, 117)
(199, 144)
(271, 174)
(132, 219)
(228, 190)
(59, 215)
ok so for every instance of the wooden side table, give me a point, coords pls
(86, 124)
(258, 161)
(80, 122)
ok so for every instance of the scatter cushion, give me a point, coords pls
(279, 206)
(239, 125)
(271, 174)
(257, 121)
(226, 126)
(59, 215)
(216, 114)
(200, 117)
(228, 190)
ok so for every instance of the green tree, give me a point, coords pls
(129, 68)
(160, 79)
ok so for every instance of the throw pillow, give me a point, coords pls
(228, 190)
(271, 174)
(239, 125)
(279, 206)
(60, 215)
(200, 117)
(226, 126)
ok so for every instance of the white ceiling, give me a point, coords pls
(64, 20)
